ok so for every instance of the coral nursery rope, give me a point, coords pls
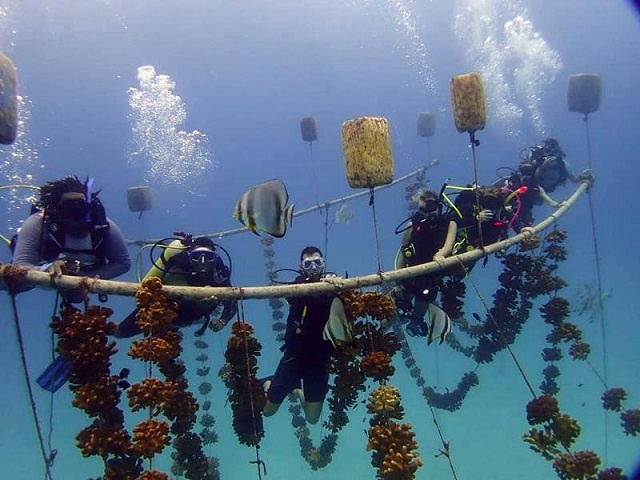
(444, 452)
(495, 324)
(258, 461)
(23, 359)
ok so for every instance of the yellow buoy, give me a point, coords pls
(583, 95)
(468, 102)
(366, 146)
(426, 124)
(8, 101)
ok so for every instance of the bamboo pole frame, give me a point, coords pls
(330, 285)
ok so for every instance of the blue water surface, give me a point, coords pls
(200, 100)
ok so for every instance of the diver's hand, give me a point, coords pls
(528, 230)
(333, 279)
(57, 268)
(587, 175)
(439, 258)
(217, 324)
(485, 215)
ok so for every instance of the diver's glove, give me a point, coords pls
(217, 324)
(587, 175)
(485, 215)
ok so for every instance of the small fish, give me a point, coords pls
(439, 325)
(343, 215)
(476, 316)
(263, 208)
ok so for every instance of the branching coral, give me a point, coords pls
(555, 310)
(394, 451)
(385, 401)
(150, 437)
(542, 409)
(162, 347)
(612, 399)
(631, 421)
(580, 350)
(377, 365)
(82, 341)
(247, 395)
(576, 466)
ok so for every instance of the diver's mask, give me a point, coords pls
(312, 267)
(203, 262)
(74, 214)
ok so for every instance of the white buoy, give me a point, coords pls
(583, 94)
(139, 199)
(309, 129)
(426, 124)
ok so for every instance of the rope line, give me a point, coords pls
(299, 213)
(47, 459)
(445, 451)
(258, 461)
(499, 330)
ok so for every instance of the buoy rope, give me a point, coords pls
(326, 232)
(47, 459)
(52, 451)
(258, 461)
(498, 329)
(603, 328)
(445, 451)
(314, 208)
(45, 280)
(476, 185)
(372, 204)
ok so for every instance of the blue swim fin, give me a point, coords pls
(55, 375)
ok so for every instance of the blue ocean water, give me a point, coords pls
(201, 100)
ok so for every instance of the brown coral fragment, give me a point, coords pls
(577, 466)
(542, 409)
(394, 451)
(612, 399)
(150, 437)
(377, 365)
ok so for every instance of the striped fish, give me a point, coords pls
(263, 208)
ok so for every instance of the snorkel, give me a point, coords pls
(514, 194)
(87, 191)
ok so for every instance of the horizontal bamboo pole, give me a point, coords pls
(45, 280)
(315, 208)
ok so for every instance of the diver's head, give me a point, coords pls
(205, 265)
(311, 263)
(65, 202)
(426, 200)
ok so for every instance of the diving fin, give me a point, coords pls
(55, 375)
(439, 324)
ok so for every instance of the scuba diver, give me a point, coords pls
(483, 216)
(315, 325)
(541, 170)
(429, 235)
(190, 262)
(70, 233)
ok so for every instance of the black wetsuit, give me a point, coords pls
(306, 354)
